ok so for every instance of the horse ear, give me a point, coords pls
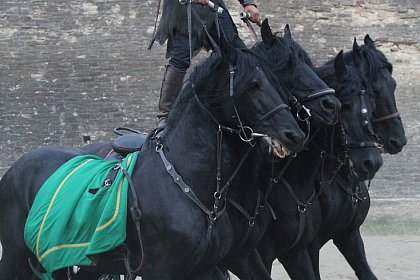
(266, 33)
(368, 41)
(355, 45)
(357, 55)
(287, 33)
(228, 51)
(339, 65)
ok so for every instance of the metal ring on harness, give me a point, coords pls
(159, 147)
(302, 208)
(217, 195)
(107, 182)
(212, 216)
(303, 114)
(243, 134)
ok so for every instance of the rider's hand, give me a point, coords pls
(201, 2)
(255, 14)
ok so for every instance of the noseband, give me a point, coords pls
(303, 113)
(387, 117)
(317, 94)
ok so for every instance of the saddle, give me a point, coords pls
(129, 142)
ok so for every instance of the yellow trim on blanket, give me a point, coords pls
(49, 208)
(64, 246)
(117, 206)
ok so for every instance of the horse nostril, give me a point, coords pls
(368, 166)
(371, 166)
(395, 145)
(293, 137)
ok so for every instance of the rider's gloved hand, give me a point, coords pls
(201, 2)
(255, 14)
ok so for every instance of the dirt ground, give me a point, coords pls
(391, 235)
(391, 257)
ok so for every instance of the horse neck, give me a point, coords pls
(306, 162)
(332, 163)
(191, 146)
(245, 187)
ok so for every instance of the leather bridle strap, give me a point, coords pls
(273, 111)
(387, 117)
(317, 94)
(301, 208)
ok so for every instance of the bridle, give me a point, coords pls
(347, 145)
(245, 134)
(387, 117)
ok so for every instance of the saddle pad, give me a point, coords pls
(75, 214)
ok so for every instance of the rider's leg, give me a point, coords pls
(174, 75)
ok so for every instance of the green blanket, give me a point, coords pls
(75, 215)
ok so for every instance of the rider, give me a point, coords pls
(173, 27)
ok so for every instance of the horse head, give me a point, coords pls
(357, 134)
(386, 118)
(294, 69)
(240, 92)
(353, 134)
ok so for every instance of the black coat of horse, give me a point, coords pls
(345, 201)
(182, 238)
(295, 203)
(247, 211)
(251, 214)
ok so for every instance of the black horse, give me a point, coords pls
(184, 232)
(295, 203)
(386, 118)
(250, 214)
(345, 202)
(283, 59)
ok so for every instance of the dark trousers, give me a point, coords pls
(180, 49)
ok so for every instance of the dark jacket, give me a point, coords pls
(174, 19)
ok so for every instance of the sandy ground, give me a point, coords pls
(390, 257)
(391, 235)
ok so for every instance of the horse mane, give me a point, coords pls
(374, 59)
(302, 54)
(342, 85)
(204, 80)
(278, 61)
(203, 76)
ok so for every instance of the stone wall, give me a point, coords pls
(77, 68)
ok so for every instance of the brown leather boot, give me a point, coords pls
(171, 86)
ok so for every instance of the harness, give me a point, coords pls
(356, 194)
(246, 134)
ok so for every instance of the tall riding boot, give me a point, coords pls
(171, 86)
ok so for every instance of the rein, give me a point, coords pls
(356, 195)
(387, 117)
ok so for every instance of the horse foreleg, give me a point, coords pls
(352, 247)
(14, 265)
(313, 251)
(14, 262)
(298, 264)
(249, 266)
(213, 274)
